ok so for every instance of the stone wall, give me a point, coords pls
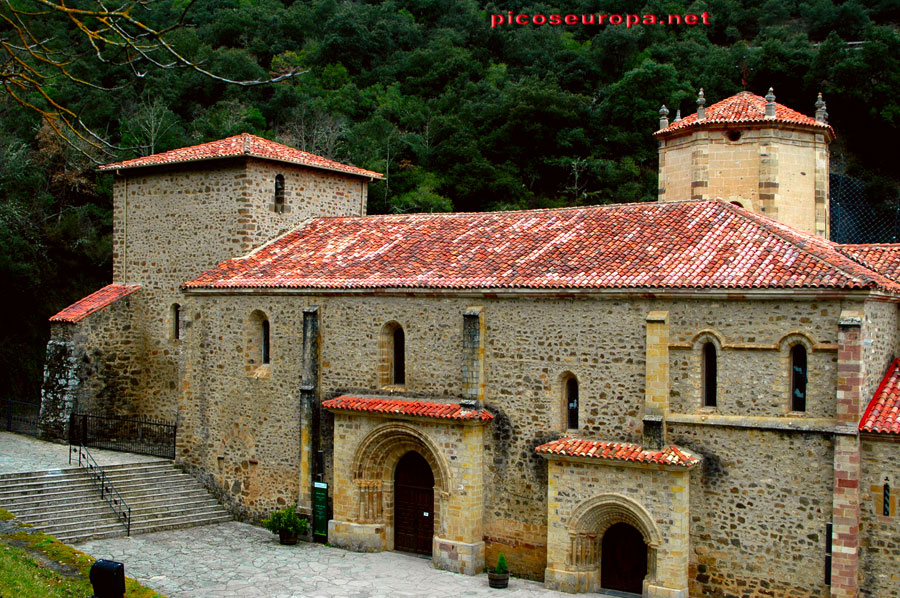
(94, 365)
(879, 537)
(173, 223)
(758, 511)
(754, 337)
(530, 344)
(880, 347)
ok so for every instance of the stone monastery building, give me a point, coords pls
(697, 397)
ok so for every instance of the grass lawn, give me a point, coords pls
(39, 566)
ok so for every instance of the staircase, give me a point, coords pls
(66, 504)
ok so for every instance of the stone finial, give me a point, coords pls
(701, 103)
(770, 103)
(678, 115)
(821, 114)
(663, 117)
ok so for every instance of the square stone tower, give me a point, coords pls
(751, 151)
(178, 214)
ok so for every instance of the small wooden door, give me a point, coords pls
(413, 504)
(623, 560)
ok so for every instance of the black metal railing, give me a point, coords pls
(133, 435)
(19, 416)
(108, 492)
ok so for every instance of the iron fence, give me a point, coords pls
(19, 416)
(134, 435)
(864, 209)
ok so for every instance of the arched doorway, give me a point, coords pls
(623, 559)
(413, 504)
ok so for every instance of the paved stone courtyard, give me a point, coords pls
(20, 453)
(241, 560)
(244, 561)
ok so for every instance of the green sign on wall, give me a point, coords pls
(320, 509)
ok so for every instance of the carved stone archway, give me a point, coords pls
(590, 521)
(373, 467)
(367, 448)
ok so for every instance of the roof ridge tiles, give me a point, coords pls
(241, 145)
(704, 244)
(804, 242)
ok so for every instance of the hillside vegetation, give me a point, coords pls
(459, 115)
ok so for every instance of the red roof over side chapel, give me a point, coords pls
(94, 302)
(883, 413)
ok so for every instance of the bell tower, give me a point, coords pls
(752, 151)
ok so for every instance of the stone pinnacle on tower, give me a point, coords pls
(663, 117)
(770, 104)
(821, 114)
(701, 102)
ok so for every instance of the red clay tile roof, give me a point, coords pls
(244, 144)
(881, 257)
(883, 414)
(618, 451)
(708, 244)
(94, 302)
(744, 107)
(403, 407)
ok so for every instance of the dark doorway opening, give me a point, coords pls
(623, 559)
(413, 504)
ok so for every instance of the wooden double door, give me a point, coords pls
(623, 559)
(413, 504)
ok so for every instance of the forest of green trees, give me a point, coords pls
(459, 115)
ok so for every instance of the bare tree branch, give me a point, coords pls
(31, 63)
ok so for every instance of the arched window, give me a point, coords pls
(798, 378)
(279, 193)
(571, 396)
(258, 350)
(399, 376)
(392, 355)
(710, 374)
(175, 322)
(265, 342)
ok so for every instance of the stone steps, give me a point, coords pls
(66, 503)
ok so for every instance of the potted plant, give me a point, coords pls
(499, 577)
(287, 524)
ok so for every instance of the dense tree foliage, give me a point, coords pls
(459, 115)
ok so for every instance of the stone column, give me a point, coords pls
(656, 397)
(845, 502)
(309, 408)
(473, 358)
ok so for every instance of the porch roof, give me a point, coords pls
(618, 451)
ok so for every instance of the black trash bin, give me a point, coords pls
(108, 579)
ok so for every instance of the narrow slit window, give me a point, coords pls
(175, 321)
(265, 342)
(399, 376)
(279, 193)
(798, 378)
(710, 373)
(572, 403)
(886, 495)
